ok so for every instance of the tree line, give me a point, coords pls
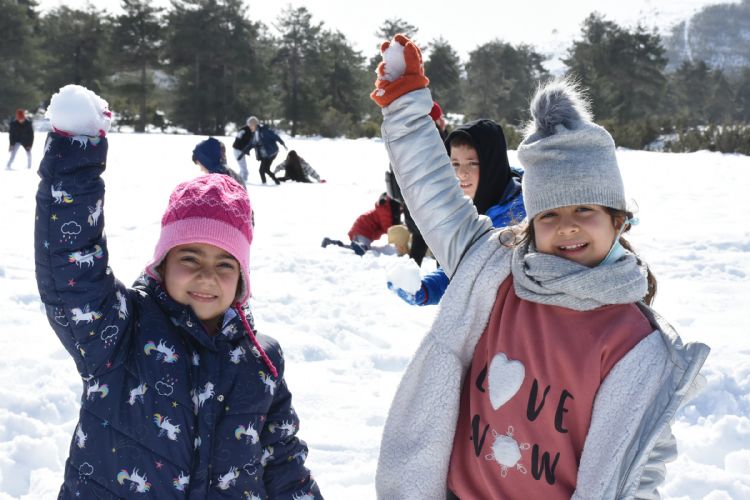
(200, 65)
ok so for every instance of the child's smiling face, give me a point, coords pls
(581, 233)
(205, 277)
(465, 161)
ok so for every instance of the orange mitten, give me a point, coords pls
(400, 72)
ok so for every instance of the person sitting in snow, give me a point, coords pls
(546, 374)
(479, 157)
(263, 140)
(210, 155)
(370, 226)
(296, 169)
(21, 135)
(182, 397)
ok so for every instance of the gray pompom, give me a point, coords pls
(557, 102)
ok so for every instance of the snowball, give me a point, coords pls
(78, 111)
(405, 275)
(395, 65)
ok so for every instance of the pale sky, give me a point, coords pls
(549, 25)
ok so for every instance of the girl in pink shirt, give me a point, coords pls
(546, 374)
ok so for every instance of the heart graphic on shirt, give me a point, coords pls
(504, 379)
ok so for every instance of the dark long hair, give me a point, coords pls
(293, 169)
(524, 233)
(292, 158)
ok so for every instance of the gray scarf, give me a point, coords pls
(548, 279)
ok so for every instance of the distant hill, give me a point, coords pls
(717, 34)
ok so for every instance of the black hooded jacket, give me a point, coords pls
(494, 169)
(22, 132)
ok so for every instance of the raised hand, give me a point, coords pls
(416, 299)
(400, 72)
(77, 111)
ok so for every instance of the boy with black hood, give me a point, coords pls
(479, 157)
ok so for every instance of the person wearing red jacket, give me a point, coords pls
(371, 225)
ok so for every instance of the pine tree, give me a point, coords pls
(344, 83)
(136, 43)
(721, 105)
(19, 53)
(623, 70)
(79, 39)
(742, 97)
(395, 25)
(500, 78)
(297, 61)
(213, 50)
(443, 68)
(689, 88)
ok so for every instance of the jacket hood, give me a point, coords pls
(494, 169)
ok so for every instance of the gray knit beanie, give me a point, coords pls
(568, 159)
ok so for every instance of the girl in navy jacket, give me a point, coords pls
(181, 397)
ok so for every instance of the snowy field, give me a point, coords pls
(347, 338)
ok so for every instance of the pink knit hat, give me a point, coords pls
(211, 209)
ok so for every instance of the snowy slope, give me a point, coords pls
(346, 337)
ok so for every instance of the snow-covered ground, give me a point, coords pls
(346, 337)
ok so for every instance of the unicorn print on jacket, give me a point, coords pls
(137, 393)
(95, 213)
(59, 195)
(166, 427)
(138, 483)
(84, 314)
(227, 480)
(94, 388)
(82, 257)
(200, 397)
(251, 435)
(163, 353)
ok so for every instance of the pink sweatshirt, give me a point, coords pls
(527, 400)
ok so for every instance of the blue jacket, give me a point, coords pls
(165, 409)
(267, 147)
(509, 211)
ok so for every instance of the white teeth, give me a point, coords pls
(572, 247)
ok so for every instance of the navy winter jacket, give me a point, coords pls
(21, 132)
(266, 147)
(166, 410)
(509, 211)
